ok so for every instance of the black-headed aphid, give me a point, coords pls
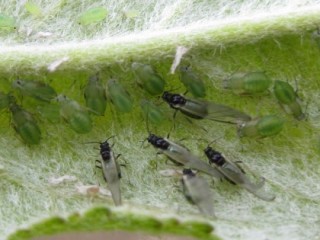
(192, 82)
(288, 99)
(93, 15)
(24, 123)
(95, 95)
(181, 155)
(35, 89)
(197, 191)
(248, 83)
(200, 109)
(111, 171)
(235, 174)
(119, 96)
(261, 127)
(74, 114)
(149, 79)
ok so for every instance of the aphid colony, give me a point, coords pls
(55, 107)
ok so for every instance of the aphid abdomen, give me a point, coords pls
(95, 96)
(152, 112)
(149, 79)
(29, 132)
(262, 127)
(119, 97)
(249, 83)
(97, 105)
(80, 122)
(25, 125)
(93, 15)
(270, 125)
(7, 23)
(284, 92)
(192, 82)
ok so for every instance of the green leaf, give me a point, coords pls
(246, 36)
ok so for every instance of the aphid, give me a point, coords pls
(38, 90)
(192, 82)
(152, 112)
(71, 111)
(7, 23)
(92, 15)
(261, 127)
(149, 79)
(288, 99)
(95, 95)
(33, 9)
(181, 155)
(197, 191)
(235, 174)
(24, 124)
(248, 83)
(200, 109)
(119, 96)
(111, 171)
(4, 100)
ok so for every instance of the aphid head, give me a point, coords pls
(158, 142)
(173, 99)
(104, 145)
(214, 156)
(184, 68)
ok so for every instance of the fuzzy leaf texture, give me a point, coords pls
(45, 41)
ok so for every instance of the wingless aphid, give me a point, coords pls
(192, 82)
(288, 99)
(235, 174)
(248, 83)
(197, 191)
(24, 124)
(200, 109)
(33, 9)
(111, 171)
(181, 155)
(35, 89)
(95, 95)
(149, 79)
(119, 96)
(77, 117)
(92, 15)
(261, 127)
(152, 112)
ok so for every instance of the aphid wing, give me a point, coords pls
(222, 113)
(254, 189)
(199, 191)
(233, 173)
(110, 171)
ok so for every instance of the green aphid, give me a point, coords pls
(248, 83)
(4, 100)
(50, 111)
(288, 99)
(119, 96)
(92, 15)
(33, 9)
(38, 90)
(77, 117)
(7, 23)
(152, 112)
(261, 127)
(149, 79)
(24, 124)
(192, 82)
(95, 95)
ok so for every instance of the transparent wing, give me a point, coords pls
(213, 111)
(199, 191)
